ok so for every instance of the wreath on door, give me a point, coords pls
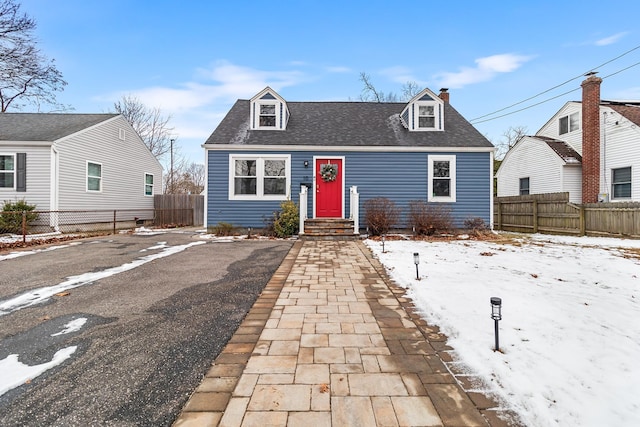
(329, 172)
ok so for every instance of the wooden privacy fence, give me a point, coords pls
(180, 208)
(553, 213)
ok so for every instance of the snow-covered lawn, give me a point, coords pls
(570, 334)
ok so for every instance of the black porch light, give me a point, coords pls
(416, 261)
(496, 315)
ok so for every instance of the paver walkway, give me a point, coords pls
(331, 342)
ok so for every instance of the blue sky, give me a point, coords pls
(193, 59)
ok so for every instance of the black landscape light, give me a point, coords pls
(416, 261)
(383, 244)
(496, 315)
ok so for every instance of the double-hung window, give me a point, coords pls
(442, 178)
(265, 177)
(621, 183)
(267, 115)
(427, 116)
(94, 177)
(569, 123)
(7, 170)
(148, 184)
(524, 186)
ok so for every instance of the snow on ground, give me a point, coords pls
(570, 334)
(72, 326)
(37, 296)
(18, 254)
(16, 373)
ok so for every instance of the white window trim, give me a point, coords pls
(10, 172)
(86, 181)
(436, 116)
(613, 184)
(568, 117)
(452, 170)
(259, 176)
(153, 184)
(258, 115)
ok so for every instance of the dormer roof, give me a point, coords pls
(424, 112)
(268, 111)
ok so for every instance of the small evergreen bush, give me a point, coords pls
(428, 219)
(286, 221)
(381, 214)
(11, 221)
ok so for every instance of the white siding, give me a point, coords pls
(620, 148)
(572, 182)
(38, 175)
(534, 159)
(552, 129)
(124, 164)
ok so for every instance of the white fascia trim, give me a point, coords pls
(375, 149)
(17, 144)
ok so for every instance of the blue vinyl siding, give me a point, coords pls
(401, 177)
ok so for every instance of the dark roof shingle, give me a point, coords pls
(361, 124)
(562, 149)
(45, 126)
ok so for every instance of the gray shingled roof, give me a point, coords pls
(562, 149)
(358, 124)
(45, 126)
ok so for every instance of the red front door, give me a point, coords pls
(328, 188)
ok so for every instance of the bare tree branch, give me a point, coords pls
(26, 75)
(149, 123)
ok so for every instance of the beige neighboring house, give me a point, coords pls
(62, 162)
(589, 148)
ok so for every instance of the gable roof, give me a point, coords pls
(629, 110)
(562, 149)
(341, 124)
(45, 126)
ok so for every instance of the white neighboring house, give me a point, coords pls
(64, 162)
(555, 158)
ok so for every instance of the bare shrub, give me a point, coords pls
(429, 219)
(381, 214)
(476, 226)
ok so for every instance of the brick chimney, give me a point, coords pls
(444, 94)
(591, 138)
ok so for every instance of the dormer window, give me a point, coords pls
(426, 116)
(267, 115)
(424, 112)
(269, 111)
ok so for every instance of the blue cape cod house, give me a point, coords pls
(331, 157)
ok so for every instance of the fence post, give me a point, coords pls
(114, 221)
(583, 222)
(499, 215)
(24, 227)
(535, 215)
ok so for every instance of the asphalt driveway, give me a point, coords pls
(143, 317)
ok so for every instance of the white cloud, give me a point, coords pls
(338, 69)
(611, 39)
(486, 68)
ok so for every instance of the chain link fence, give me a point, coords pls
(25, 224)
